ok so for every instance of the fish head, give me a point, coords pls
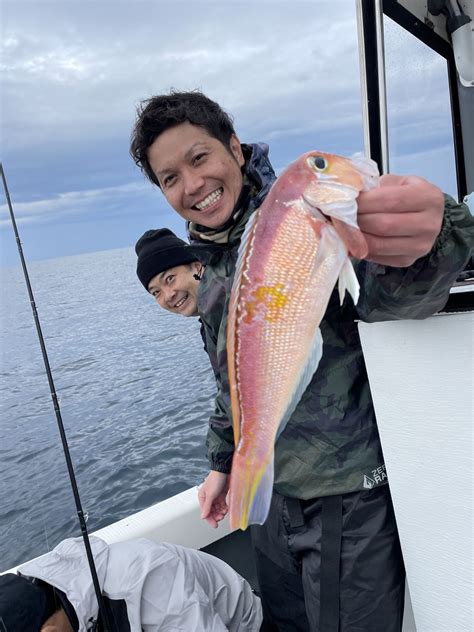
(332, 185)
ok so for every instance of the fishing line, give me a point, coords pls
(102, 612)
(45, 531)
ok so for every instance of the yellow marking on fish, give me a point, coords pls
(267, 299)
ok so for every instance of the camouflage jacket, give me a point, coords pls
(331, 444)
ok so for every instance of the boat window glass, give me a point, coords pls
(420, 135)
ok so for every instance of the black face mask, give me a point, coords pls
(25, 604)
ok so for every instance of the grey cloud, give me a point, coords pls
(225, 52)
(74, 203)
(74, 71)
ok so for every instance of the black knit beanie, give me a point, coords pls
(24, 605)
(159, 250)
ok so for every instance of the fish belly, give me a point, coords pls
(282, 293)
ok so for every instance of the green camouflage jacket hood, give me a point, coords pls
(331, 443)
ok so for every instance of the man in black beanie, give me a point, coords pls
(169, 270)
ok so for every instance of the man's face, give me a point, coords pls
(176, 289)
(199, 176)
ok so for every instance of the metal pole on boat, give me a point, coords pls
(369, 15)
(54, 397)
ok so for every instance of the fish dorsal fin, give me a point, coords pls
(245, 251)
(304, 378)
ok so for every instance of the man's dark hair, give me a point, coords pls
(159, 113)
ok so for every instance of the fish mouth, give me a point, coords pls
(316, 211)
(334, 199)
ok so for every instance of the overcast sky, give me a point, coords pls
(74, 71)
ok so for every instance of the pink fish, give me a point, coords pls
(295, 248)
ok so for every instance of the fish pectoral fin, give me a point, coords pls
(353, 239)
(348, 282)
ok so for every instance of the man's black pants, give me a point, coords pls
(331, 564)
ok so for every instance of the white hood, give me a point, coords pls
(151, 586)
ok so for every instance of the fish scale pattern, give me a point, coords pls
(264, 386)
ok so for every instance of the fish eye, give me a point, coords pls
(320, 163)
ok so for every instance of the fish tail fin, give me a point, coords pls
(348, 282)
(250, 493)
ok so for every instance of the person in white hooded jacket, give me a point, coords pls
(146, 587)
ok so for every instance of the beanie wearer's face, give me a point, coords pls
(200, 177)
(176, 289)
(58, 622)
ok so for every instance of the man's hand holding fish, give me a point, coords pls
(400, 219)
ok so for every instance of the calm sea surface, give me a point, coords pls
(135, 388)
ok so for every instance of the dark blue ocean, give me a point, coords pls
(135, 389)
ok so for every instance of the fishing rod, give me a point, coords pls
(102, 612)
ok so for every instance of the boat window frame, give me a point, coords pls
(376, 115)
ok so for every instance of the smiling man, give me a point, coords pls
(169, 271)
(199, 175)
(328, 556)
